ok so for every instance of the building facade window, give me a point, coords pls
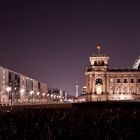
(99, 81)
(138, 80)
(131, 80)
(118, 80)
(95, 63)
(125, 81)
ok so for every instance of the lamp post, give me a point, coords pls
(8, 89)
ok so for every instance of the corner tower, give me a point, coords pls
(96, 79)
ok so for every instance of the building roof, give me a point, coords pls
(116, 70)
(123, 70)
(100, 55)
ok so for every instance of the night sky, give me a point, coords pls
(51, 41)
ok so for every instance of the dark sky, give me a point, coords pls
(51, 41)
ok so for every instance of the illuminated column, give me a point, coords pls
(76, 90)
(90, 83)
(8, 89)
(22, 95)
(121, 85)
(93, 85)
(108, 84)
(129, 85)
(135, 85)
(114, 84)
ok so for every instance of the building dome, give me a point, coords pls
(136, 64)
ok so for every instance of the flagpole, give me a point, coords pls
(99, 49)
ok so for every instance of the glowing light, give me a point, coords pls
(22, 91)
(99, 89)
(98, 46)
(43, 94)
(8, 89)
(31, 92)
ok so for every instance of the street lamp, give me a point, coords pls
(8, 89)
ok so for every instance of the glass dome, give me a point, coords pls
(136, 64)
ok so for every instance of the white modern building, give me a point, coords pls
(17, 88)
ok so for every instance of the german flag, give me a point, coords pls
(98, 46)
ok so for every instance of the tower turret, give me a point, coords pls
(99, 61)
(96, 74)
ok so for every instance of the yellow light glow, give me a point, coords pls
(31, 92)
(99, 89)
(98, 46)
(8, 89)
(43, 94)
(22, 90)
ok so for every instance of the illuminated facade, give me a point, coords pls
(103, 83)
(16, 88)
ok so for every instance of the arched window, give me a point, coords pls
(95, 63)
(99, 81)
(118, 80)
(132, 81)
(125, 81)
(99, 63)
(102, 63)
